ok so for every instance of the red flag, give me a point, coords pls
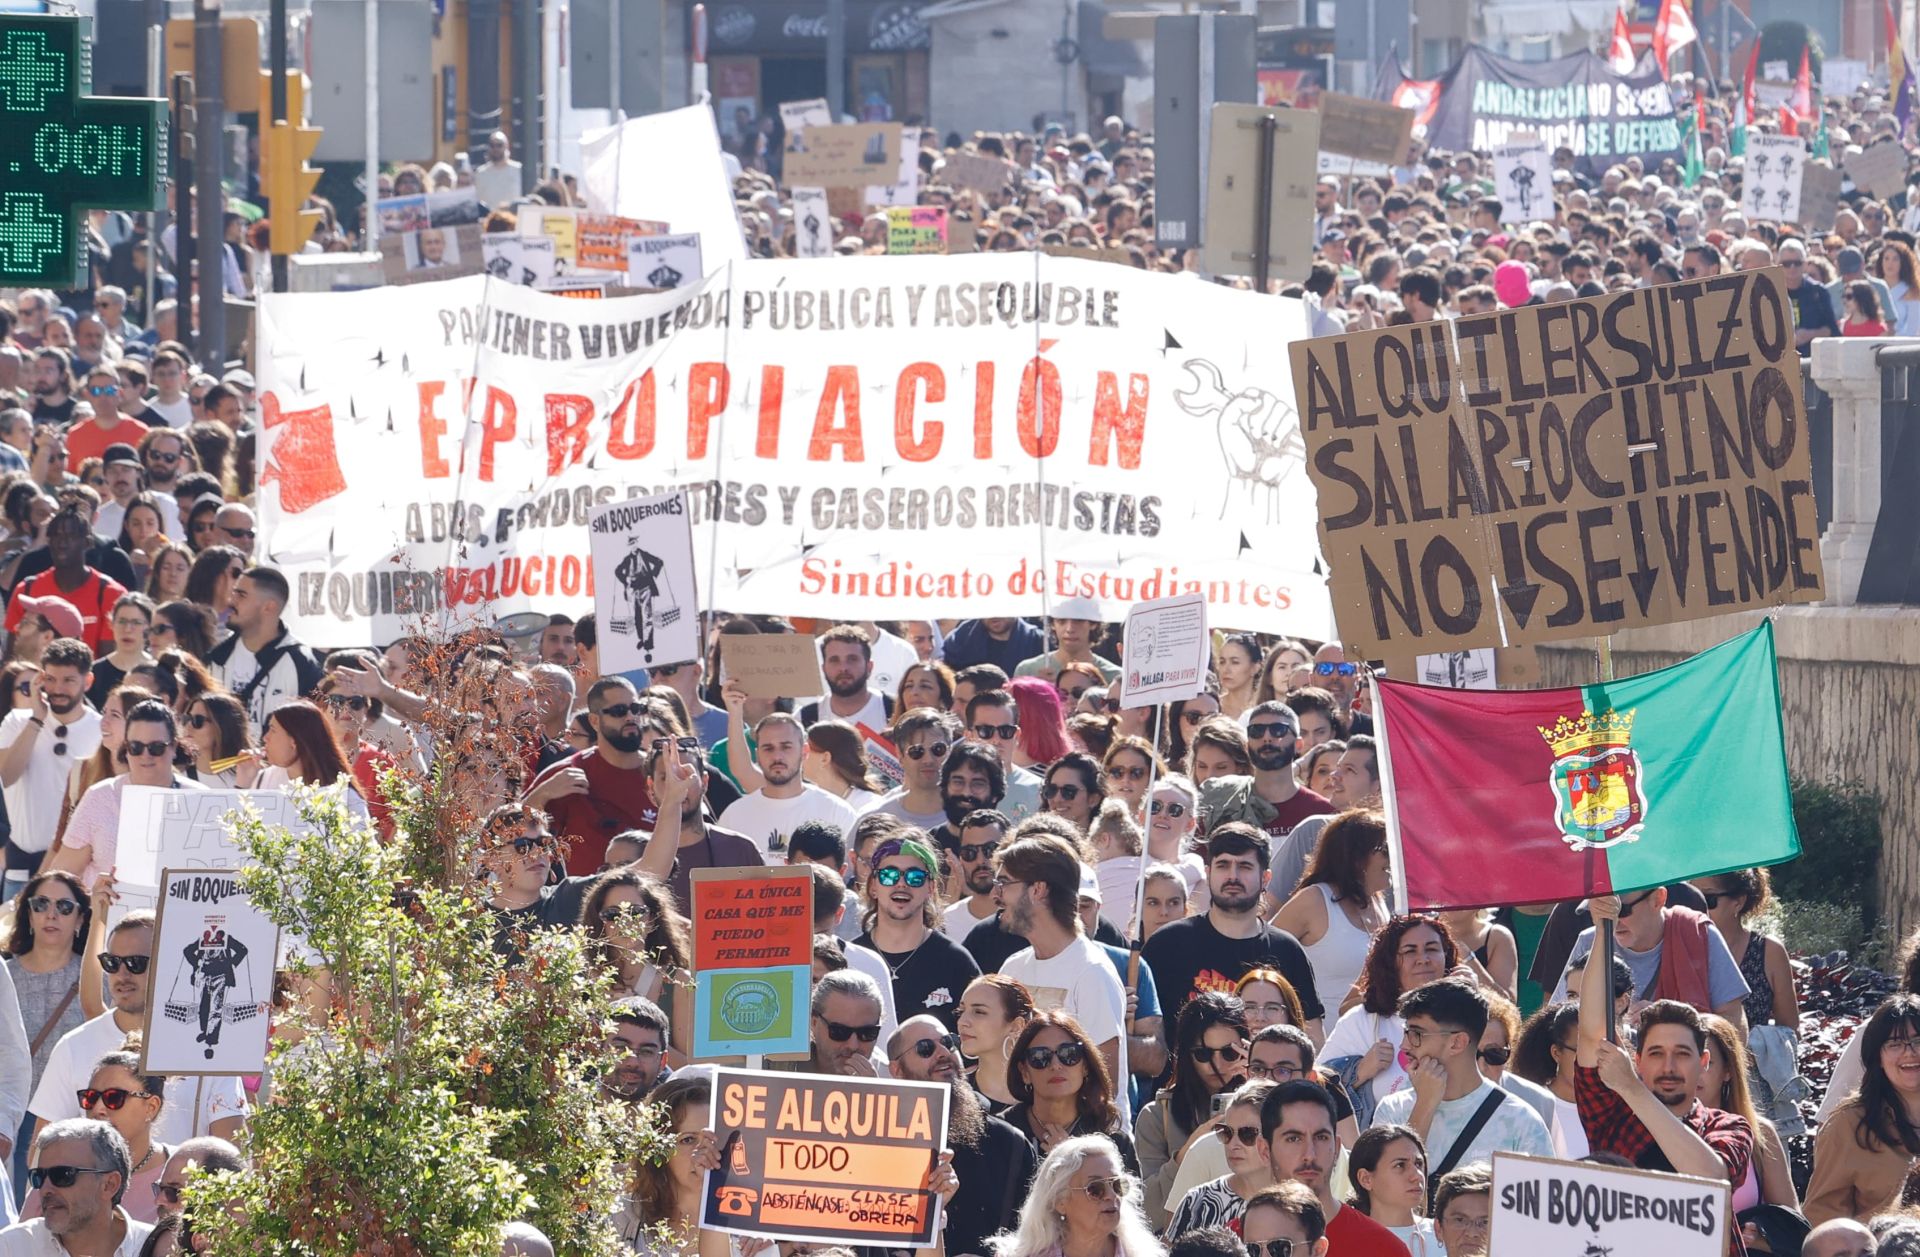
(1803, 88)
(1620, 54)
(1672, 31)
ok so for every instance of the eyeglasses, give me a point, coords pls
(1271, 1248)
(1496, 1055)
(1414, 1036)
(238, 534)
(915, 878)
(1901, 1047)
(65, 907)
(972, 851)
(115, 1098)
(1283, 1072)
(620, 711)
(938, 750)
(62, 1175)
(168, 1193)
(1119, 1187)
(925, 1048)
(1269, 729)
(987, 733)
(1069, 1054)
(1335, 669)
(1175, 810)
(840, 1034)
(350, 702)
(1136, 773)
(1051, 791)
(1248, 1135)
(140, 750)
(1231, 1054)
(112, 963)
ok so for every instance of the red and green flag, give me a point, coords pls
(1524, 796)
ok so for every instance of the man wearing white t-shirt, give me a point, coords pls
(195, 1106)
(846, 660)
(770, 813)
(40, 743)
(980, 835)
(1037, 885)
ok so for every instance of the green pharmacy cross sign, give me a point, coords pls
(63, 152)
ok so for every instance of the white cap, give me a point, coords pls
(1089, 885)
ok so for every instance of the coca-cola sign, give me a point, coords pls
(800, 26)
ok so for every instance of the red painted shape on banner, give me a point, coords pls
(983, 410)
(841, 393)
(304, 462)
(569, 416)
(630, 434)
(773, 390)
(1111, 425)
(707, 387)
(432, 429)
(1040, 408)
(926, 446)
(497, 425)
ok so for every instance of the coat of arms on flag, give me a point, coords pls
(1596, 779)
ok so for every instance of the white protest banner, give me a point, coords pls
(1165, 650)
(944, 435)
(1574, 1207)
(623, 165)
(814, 231)
(1523, 173)
(1350, 167)
(1770, 185)
(663, 262)
(188, 829)
(526, 260)
(213, 963)
(647, 606)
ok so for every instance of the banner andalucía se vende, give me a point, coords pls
(877, 437)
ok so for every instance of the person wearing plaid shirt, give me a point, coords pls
(1645, 1108)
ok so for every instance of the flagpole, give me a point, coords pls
(1603, 673)
(1139, 931)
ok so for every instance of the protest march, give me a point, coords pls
(819, 671)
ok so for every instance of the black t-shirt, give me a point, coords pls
(1190, 955)
(929, 978)
(993, 1174)
(57, 413)
(991, 947)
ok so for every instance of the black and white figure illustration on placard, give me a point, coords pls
(213, 959)
(644, 582)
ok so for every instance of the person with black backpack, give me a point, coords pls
(260, 662)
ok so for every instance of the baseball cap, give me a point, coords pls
(119, 452)
(61, 614)
(239, 379)
(1089, 885)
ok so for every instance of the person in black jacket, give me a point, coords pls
(261, 662)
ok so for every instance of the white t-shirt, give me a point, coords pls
(1080, 981)
(768, 821)
(32, 1239)
(33, 801)
(1514, 1126)
(70, 1066)
(892, 656)
(1355, 1034)
(960, 920)
(176, 414)
(873, 714)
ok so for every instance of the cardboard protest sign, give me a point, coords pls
(825, 1159)
(773, 665)
(1546, 1206)
(1770, 184)
(797, 115)
(1370, 130)
(645, 596)
(1523, 173)
(1232, 195)
(664, 262)
(213, 963)
(905, 187)
(753, 960)
(983, 174)
(188, 829)
(1562, 470)
(1879, 169)
(432, 253)
(523, 260)
(917, 229)
(814, 230)
(858, 155)
(1819, 195)
(1165, 650)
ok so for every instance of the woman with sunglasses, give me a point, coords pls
(1209, 1060)
(216, 734)
(993, 1013)
(132, 619)
(118, 1094)
(50, 922)
(1341, 901)
(201, 532)
(1237, 664)
(638, 938)
(1173, 817)
(1073, 682)
(1130, 762)
(1062, 1087)
(1735, 902)
(1220, 1201)
(144, 757)
(1074, 789)
(1083, 1202)
(351, 715)
(184, 626)
(167, 572)
(1388, 1170)
(1183, 721)
(1043, 728)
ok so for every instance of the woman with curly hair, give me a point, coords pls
(1364, 1045)
(1062, 1088)
(637, 936)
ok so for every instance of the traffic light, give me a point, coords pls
(284, 176)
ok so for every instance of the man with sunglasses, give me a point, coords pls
(1272, 796)
(923, 737)
(604, 790)
(90, 437)
(125, 957)
(786, 799)
(1460, 1116)
(845, 1027)
(979, 835)
(1284, 1220)
(41, 741)
(164, 455)
(993, 720)
(203, 1154)
(993, 1160)
(1674, 952)
(81, 1169)
(928, 969)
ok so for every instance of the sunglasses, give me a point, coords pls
(238, 534)
(65, 907)
(987, 733)
(168, 1193)
(620, 711)
(62, 1175)
(1626, 909)
(139, 750)
(1072, 693)
(1051, 791)
(971, 851)
(1119, 1187)
(1272, 1248)
(526, 846)
(938, 750)
(134, 964)
(915, 878)
(115, 1098)
(1335, 669)
(1069, 1054)
(1231, 1054)
(199, 720)
(634, 913)
(840, 1034)
(1269, 729)
(1248, 1135)
(59, 739)
(23, 687)
(1715, 898)
(98, 390)
(1175, 810)
(925, 1048)
(685, 744)
(1496, 1055)
(351, 702)
(161, 456)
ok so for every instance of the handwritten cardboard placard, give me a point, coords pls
(916, 229)
(983, 174)
(1879, 169)
(1371, 130)
(1562, 470)
(773, 665)
(858, 155)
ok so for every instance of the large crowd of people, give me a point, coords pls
(1290, 1064)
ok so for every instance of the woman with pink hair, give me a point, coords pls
(1043, 729)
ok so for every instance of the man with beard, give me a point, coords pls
(770, 813)
(994, 719)
(261, 662)
(971, 780)
(844, 1028)
(1646, 1107)
(1210, 952)
(922, 737)
(52, 387)
(127, 960)
(992, 1159)
(846, 658)
(1272, 794)
(640, 1036)
(929, 970)
(1356, 783)
(594, 794)
(678, 778)
(81, 1169)
(978, 835)
(1303, 1143)
(40, 742)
